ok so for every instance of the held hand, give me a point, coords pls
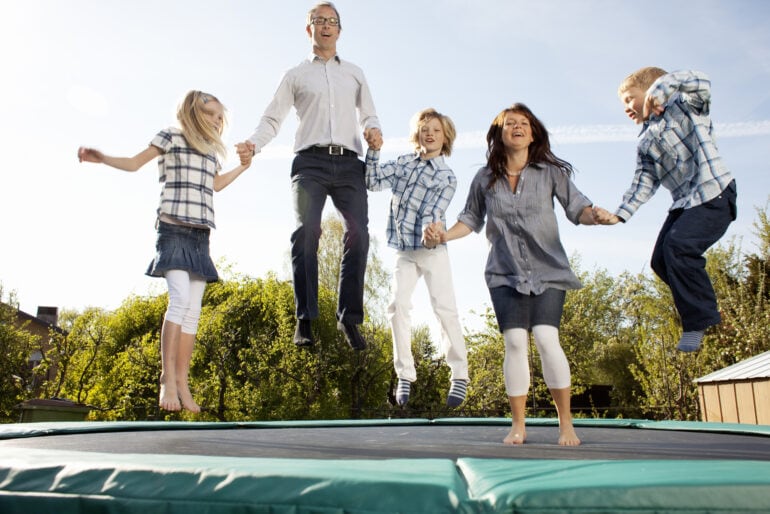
(90, 155)
(245, 152)
(375, 143)
(433, 235)
(604, 217)
(373, 137)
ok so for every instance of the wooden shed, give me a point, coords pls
(737, 394)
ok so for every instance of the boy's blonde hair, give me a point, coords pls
(641, 78)
(198, 132)
(423, 117)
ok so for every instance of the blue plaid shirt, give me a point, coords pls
(422, 190)
(677, 149)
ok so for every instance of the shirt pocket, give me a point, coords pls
(429, 183)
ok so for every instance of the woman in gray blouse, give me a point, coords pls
(527, 269)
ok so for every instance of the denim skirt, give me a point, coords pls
(182, 248)
(516, 310)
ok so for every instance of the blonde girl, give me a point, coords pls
(189, 166)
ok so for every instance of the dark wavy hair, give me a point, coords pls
(539, 149)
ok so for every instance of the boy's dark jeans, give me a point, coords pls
(678, 257)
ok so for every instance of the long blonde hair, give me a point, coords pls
(198, 132)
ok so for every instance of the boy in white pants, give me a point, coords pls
(423, 186)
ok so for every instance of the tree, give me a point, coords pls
(16, 345)
(486, 349)
(330, 250)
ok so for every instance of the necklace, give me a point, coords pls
(513, 174)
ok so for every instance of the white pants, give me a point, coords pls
(185, 295)
(516, 364)
(434, 266)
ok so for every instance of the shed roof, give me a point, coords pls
(753, 367)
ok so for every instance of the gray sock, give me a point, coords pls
(690, 341)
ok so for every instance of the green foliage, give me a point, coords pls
(486, 391)
(16, 345)
(617, 331)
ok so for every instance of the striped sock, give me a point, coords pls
(690, 341)
(402, 391)
(457, 393)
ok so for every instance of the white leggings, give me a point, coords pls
(185, 295)
(516, 364)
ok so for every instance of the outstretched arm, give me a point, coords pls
(122, 163)
(457, 231)
(225, 179)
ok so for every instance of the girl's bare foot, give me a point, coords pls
(169, 400)
(568, 437)
(517, 435)
(187, 400)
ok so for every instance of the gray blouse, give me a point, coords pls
(525, 251)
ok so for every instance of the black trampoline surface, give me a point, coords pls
(418, 441)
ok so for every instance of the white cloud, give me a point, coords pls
(566, 134)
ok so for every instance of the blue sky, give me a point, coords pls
(109, 74)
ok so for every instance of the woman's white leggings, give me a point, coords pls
(516, 364)
(185, 295)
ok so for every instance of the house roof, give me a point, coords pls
(23, 316)
(753, 367)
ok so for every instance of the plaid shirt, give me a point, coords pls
(677, 149)
(187, 177)
(421, 191)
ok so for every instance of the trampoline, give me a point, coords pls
(379, 466)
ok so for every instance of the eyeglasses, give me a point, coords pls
(320, 20)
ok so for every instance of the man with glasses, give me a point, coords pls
(333, 103)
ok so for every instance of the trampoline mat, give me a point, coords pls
(417, 466)
(411, 442)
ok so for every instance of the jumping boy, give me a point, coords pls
(677, 150)
(422, 185)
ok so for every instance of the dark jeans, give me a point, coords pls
(678, 257)
(313, 178)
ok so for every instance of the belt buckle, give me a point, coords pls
(336, 150)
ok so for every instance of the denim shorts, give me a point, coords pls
(516, 310)
(183, 248)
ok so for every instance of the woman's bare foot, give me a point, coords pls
(187, 400)
(517, 435)
(169, 400)
(568, 437)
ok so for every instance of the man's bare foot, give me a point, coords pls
(568, 437)
(169, 400)
(517, 435)
(187, 400)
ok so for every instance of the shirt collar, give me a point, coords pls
(436, 162)
(313, 57)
